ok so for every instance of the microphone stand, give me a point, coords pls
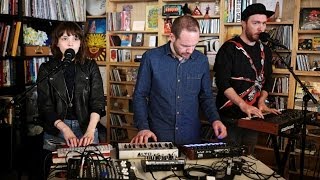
(17, 99)
(307, 96)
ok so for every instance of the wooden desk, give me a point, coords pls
(256, 165)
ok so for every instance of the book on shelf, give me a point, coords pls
(126, 40)
(96, 47)
(15, 42)
(113, 55)
(316, 43)
(137, 39)
(152, 17)
(309, 19)
(138, 25)
(167, 25)
(6, 111)
(115, 40)
(153, 41)
(125, 20)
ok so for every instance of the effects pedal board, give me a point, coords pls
(100, 169)
(162, 163)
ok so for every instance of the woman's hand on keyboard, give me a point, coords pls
(71, 139)
(87, 138)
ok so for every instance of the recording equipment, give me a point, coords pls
(276, 124)
(212, 150)
(163, 165)
(265, 37)
(100, 169)
(68, 55)
(130, 150)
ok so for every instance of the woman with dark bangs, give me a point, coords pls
(71, 101)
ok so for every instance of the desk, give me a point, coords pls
(258, 166)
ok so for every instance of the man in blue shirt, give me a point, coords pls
(173, 81)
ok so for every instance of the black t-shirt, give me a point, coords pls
(231, 62)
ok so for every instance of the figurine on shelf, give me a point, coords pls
(206, 16)
(186, 10)
(196, 11)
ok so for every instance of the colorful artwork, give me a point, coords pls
(96, 47)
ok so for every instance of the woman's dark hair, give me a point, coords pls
(185, 22)
(71, 28)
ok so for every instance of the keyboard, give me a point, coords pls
(77, 151)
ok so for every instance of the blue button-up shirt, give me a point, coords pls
(168, 94)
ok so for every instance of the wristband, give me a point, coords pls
(57, 123)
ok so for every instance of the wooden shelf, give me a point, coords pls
(123, 82)
(121, 112)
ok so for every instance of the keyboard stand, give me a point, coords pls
(281, 163)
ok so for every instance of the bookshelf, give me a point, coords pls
(128, 38)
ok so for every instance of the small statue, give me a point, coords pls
(186, 10)
(206, 16)
(196, 11)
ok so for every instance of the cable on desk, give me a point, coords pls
(250, 168)
(207, 170)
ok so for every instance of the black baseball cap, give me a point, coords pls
(253, 9)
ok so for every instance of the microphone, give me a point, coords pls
(265, 37)
(68, 55)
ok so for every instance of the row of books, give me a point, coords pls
(283, 34)
(209, 26)
(278, 102)
(120, 55)
(9, 38)
(280, 85)
(278, 63)
(134, 39)
(62, 10)
(118, 21)
(303, 62)
(31, 68)
(9, 7)
(7, 72)
(118, 134)
(116, 90)
(234, 9)
(118, 120)
(124, 74)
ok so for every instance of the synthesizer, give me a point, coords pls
(211, 150)
(76, 151)
(132, 151)
(276, 124)
(63, 154)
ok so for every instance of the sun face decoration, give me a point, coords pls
(96, 47)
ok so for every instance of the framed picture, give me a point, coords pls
(310, 19)
(202, 48)
(152, 17)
